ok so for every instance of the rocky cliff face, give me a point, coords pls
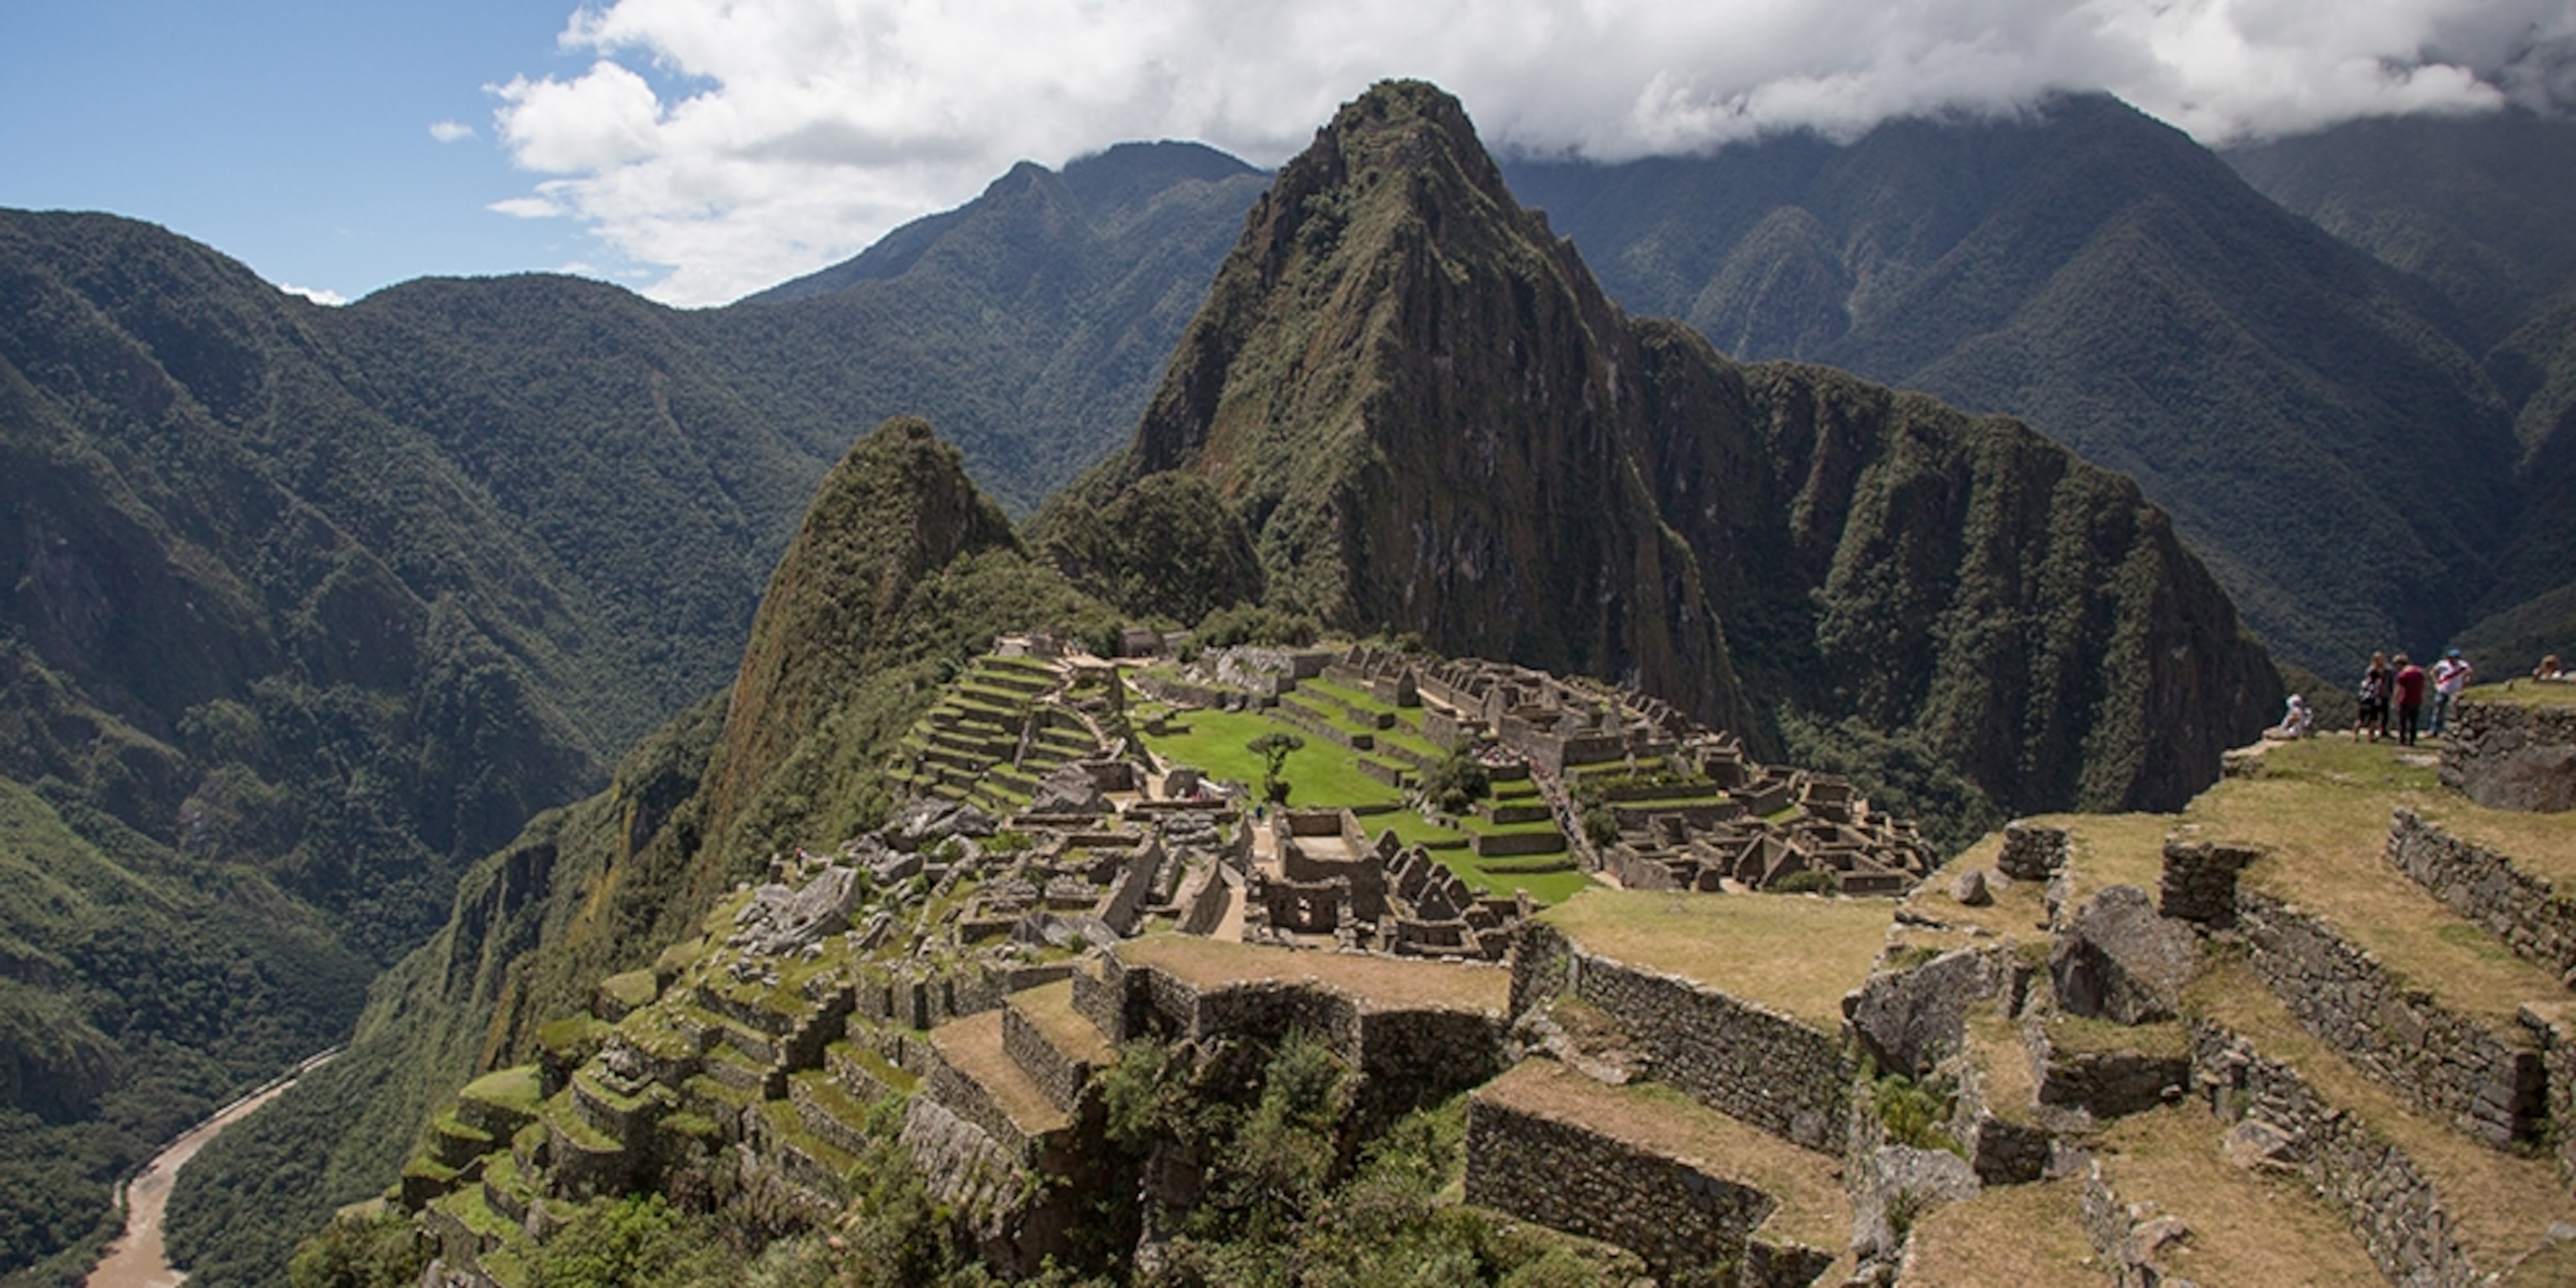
(1430, 419)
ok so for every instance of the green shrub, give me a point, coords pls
(1811, 881)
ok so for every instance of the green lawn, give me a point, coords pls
(1547, 887)
(1322, 774)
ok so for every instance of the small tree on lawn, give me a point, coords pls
(1273, 748)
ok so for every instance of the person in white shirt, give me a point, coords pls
(2450, 675)
(2297, 722)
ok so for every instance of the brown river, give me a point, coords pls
(137, 1258)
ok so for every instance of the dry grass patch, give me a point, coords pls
(2011, 1236)
(2319, 811)
(2523, 692)
(1656, 1119)
(2003, 1066)
(1794, 953)
(2084, 1035)
(2114, 849)
(1049, 1009)
(2500, 1204)
(1379, 983)
(2019, 911)
(2246, 1227)
(973, 1047)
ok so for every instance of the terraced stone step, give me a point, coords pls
(2512, 874)
(988, 694)
(1650, 1170)
(973, 1076)
(1012, 680)
(806, 1159)
(2422, 1198)
(734, 1069)
(863, 1074)
(831, 1114)
(2240, 1225)
(1053, 1043)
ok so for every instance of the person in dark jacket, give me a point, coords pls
(2409, 688)
(2373, 712)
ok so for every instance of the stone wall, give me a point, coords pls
(1060, 1077)
(1677, 1217)
(2488, 1083)
(2553, 1025)
(2127, 1244)
(2106, 1084)
(2199, 883)
(1738, 1057)
(2391, 1203)
(963, 1096)
(2514, 905)
(2508, 756)
(1406, 1054)
(2032, 852)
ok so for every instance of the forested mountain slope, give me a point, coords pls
(2482, 208)
(2116, 286)
(301, 609)
(901, 569)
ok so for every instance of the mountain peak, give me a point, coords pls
(1428, 417)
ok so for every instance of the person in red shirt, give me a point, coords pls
(2410, 698)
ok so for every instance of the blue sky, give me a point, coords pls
(290, 134)
(698, 150)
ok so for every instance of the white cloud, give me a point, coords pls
(317, 294)
(740, 142)
(450, 131)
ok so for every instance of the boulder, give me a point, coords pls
(1910, 1020)
(1970, 888)
(2117, 959)
(1898, 1184)
(2256, 1145)
(1070, 790)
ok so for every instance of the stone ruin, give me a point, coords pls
(1335, 887)
(1692, 811)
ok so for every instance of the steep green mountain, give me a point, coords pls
(1029, 324)
(900, 570)
(1428, 418)
(274, 653)
(2483, 209)
(2117, 287)
(304, 608)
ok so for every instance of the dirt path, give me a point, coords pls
(137, 1259)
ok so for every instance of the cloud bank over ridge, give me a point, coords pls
(741, 142)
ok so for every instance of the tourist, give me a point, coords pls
(2548, 669)
(2373, 714)
(2409, 689)
(2296, 723)
(2450, 675)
